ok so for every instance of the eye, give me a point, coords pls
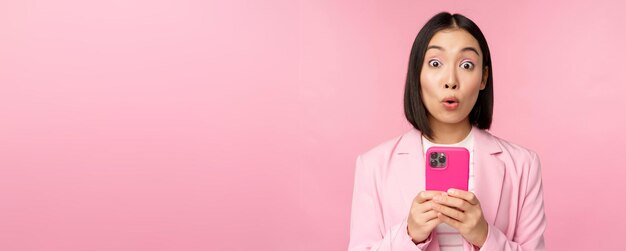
(434, 63)
(467, 65)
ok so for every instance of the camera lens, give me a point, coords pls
(433, 155)
(442, 159)
(433, 162)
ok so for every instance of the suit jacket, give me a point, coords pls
(507, 180)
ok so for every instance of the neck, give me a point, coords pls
(444, 133)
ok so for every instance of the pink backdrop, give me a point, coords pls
(234, 125)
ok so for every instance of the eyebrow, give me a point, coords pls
(464, 49)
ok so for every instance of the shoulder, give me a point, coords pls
(514, 148)
(518, 153)
(382, 153)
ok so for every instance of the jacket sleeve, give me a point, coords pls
(367, 231)
(531, 221)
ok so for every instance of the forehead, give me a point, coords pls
(454, 40)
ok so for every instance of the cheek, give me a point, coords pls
(471, 79)
(471, 84)
(429, 85)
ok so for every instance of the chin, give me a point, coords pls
(451, 119)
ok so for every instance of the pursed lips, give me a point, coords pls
(450, 103)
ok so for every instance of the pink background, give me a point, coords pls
(234, 125)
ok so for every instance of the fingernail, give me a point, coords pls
(451, 191)
(437, 198)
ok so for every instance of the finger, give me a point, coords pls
(450, 212)
(423, 218)
(424, 196)
(424, 207)
(452, 202)
(428, 216)
(427, 219)
(467, 196)
(431, 224)
(450, 221)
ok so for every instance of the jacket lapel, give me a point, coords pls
(488, 173)
(410, 161)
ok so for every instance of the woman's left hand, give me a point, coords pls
(461, 210)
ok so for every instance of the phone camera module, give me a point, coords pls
(437, 159)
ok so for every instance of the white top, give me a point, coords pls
(449, 238)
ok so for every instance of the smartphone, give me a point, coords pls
(447, 167)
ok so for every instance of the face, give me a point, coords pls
(452, 76)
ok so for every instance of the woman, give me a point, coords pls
(449, 101)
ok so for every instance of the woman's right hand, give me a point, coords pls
(422, 218)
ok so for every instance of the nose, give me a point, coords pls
(451, 80)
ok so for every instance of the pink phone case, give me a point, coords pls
(452, 172)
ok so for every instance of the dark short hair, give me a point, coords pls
(414, 108)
